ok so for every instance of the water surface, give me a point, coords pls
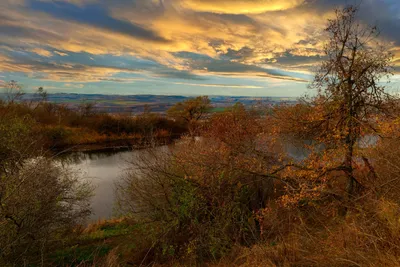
(102, 170)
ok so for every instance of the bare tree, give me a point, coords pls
(13, 91)
(349, 88)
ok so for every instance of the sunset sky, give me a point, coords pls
(186, 47)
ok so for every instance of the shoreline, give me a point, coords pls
(114, 145)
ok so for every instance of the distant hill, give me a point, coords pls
(157, 103)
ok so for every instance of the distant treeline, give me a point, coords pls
(135, 104)
(59, 126)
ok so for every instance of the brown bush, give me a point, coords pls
(39, 199)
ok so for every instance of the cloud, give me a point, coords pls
(96, 16)
(75, 86)
(61, 53)
(163, 40)
(222, 85)
(288, 60)
(240, 6)
(203, 64)
(122, 80)
(246, 39)
(42, 52)
(45, 70)
(73, 71)
(74, 2)
(27, 35)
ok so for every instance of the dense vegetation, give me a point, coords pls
(233, 196)
(41, 202)
(61, 127)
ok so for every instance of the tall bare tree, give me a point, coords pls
(349, 89)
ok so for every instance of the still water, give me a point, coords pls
(102, 170)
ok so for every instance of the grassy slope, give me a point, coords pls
(105, 243)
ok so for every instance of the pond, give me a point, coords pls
(102, 169)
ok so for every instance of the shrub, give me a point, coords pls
(197, 221)
(56, 136)
(203, 194)
(39, 199)
(368, 236)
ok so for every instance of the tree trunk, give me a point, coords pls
(350, 140)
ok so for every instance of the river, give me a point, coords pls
(103, 169)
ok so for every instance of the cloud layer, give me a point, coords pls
(240, 6)
(174, 42)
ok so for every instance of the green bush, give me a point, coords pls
(39, 199)
(57, 136)
(197, 221)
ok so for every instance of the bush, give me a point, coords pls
(56, 136)
(203, 194)
(16, 141)
(39, 199)
(196, 221)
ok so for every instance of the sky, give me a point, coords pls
(176, 47)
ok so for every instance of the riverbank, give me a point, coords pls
(114, 242)
(116, 145)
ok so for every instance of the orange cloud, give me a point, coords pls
(42, 52)
(202, 27)
(60, 53)
(240, 6)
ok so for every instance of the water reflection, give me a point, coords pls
(297, 151)
(102, 170)
(75, 158)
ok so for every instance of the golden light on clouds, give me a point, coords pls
(240, 6)
(42, 52)
(96, 40)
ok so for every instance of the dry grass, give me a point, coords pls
(368, 236)
(110, 260)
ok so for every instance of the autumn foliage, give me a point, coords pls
(240, 183)
(61, 127)
(316, 183)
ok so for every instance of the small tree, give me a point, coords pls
(41, 94)
(191, 111)
(13, 91)
(349, 92)
(86, 109)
